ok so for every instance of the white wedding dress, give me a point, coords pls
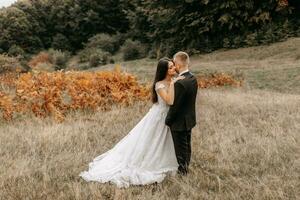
(144, 156)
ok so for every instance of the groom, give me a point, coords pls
(181, 117)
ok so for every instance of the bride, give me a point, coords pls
(146, 154)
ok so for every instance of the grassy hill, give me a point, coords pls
(245, 145)
(274, 67)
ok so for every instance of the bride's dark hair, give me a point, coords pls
(161, 73)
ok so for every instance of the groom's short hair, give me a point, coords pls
(183, 58)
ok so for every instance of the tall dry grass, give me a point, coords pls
(246, 146)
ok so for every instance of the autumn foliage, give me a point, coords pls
(218, 80)
(54, 94)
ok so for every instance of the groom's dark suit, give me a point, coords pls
(181, 118)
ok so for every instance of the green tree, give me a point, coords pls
(35, 25)
(205, 25)
(18, 30)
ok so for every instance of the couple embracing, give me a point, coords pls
(161, 142)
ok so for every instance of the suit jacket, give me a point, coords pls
(182, 114)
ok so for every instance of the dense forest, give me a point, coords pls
(161, 27)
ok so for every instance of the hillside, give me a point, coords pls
(274, 67)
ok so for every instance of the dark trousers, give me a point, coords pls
(182, 144)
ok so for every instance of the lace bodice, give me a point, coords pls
(158, 86)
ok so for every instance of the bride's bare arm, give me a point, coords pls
(168, 95)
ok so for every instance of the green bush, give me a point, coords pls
(84, 55)
(106, 42)
(133, 50)
(59, 58)
(15, 50)
(95, 56)
(61, 42)
(99, 57)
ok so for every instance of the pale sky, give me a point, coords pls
(6, 2)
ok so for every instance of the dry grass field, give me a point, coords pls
(246, 144)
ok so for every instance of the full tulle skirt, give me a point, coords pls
(144, 156)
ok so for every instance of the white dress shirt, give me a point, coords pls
(183, 72)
